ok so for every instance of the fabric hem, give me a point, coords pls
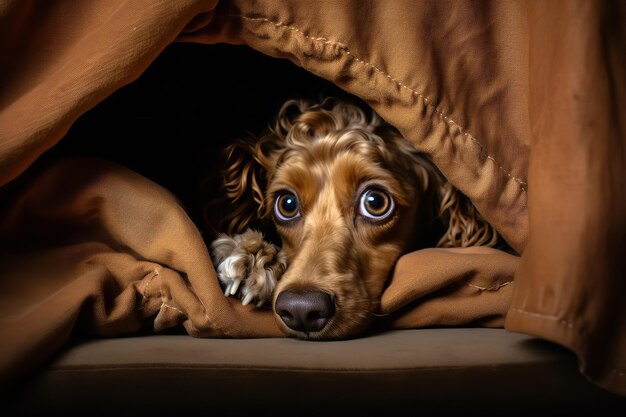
(563, 332)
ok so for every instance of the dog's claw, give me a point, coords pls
(246, 300)
(247, 265)
(235, 286)
(227, 291)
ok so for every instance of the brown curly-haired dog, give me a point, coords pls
(348, 195)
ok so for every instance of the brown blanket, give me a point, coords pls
(94, 248)
(519, 104)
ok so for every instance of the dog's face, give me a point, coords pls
(348, 195)
(345, 202)
(344, 217)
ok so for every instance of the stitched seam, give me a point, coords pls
(165, 305)
(144, 298)
(163, 300)
(171, 307)
(545, 316)
(343, 47)
(569, 324)
(493, 288)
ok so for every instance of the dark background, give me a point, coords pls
(172, 122)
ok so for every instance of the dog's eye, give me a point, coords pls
(287, 207)
(375, 204)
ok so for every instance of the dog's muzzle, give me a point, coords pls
(305, 310)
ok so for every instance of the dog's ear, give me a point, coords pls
(464, 224)
(245, 181)
(240, 201)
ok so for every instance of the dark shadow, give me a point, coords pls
(171, 124)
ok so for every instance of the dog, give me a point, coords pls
(347, 195)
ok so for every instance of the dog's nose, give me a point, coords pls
(305, 311)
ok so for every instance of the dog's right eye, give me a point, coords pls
(376, 204)
(287, 207)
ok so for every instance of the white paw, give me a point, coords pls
(248, 266)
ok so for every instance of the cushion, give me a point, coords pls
(426, 370)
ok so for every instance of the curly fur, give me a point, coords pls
(326, 153)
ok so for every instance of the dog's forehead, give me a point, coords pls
(316, 170)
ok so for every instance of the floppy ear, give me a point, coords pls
(241, 202)
(465, 226)
(462, 223)
(241, 197)
(245, 181)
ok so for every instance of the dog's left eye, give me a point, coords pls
(287, 207)
(375, 204)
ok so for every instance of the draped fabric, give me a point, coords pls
(519, 104)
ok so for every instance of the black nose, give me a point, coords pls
(305, 311)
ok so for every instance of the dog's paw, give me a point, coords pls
(249, 260)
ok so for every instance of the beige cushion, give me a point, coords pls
(425, 370)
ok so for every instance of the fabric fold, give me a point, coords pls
(90, 248)
(450, 287)
(117, 254)
(519, 104)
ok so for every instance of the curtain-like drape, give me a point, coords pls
(520, 105)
